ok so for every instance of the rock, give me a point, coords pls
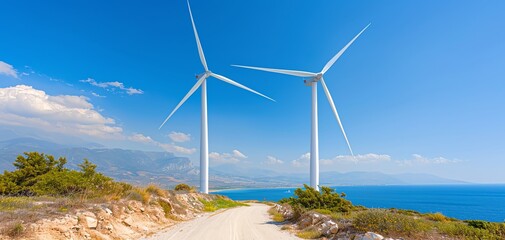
(370, 236)
(329, 228)
(88, 219)
(128, 221)
(304, 223)
(108, 211)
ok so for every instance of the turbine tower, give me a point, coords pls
(201, 82)
(312, 79)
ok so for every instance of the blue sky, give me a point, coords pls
(422, 90)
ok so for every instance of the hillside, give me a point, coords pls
(167, 170)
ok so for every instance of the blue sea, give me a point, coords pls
(483, 202)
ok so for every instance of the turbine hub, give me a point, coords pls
(198, 76)
(309, 81)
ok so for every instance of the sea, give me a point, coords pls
(465, 202)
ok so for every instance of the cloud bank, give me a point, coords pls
(113, 86)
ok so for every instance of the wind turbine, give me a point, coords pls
(312, 79)
(201, 82)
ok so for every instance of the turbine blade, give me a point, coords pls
(198, 44)
(334, 58)
(191, 91)
(281, 71)
(332, 104)
(227, 80)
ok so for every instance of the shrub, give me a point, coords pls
(387, 222)
(326, 198)
(184, 187)
(40, 174)
(167, 208)
(437, 217)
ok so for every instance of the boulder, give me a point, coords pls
(304, 222)
(369, 236)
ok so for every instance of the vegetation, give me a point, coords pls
(167, 208)
(326, 198)
(155, 190)
(184, 187)
(308, 234)
(38, 174)
(276, 215)
(388, 222)
(14, 230)
(219, 203)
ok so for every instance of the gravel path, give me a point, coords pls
(241, 223)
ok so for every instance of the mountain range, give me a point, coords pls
(167, 170)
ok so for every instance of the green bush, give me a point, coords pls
(40, 174)
(326, 198)
(184, 187)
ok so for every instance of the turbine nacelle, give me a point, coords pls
(309, 81)
(204, 74)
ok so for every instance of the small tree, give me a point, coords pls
(326, 198)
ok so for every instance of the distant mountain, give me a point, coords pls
(166, 169)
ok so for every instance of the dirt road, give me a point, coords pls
(241, 223)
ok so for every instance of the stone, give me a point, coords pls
(88, 219)
(305, 222)
(128, 221)
(370, 236)
(108, 211)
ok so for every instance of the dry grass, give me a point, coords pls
(14, 229)
(139, 194)
(438, 217)
(276, 215)
(309, 234)
(156, 190)
(218, 203)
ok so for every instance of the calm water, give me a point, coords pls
(485, 202)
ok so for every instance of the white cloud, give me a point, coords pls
(23, 105)
(361, 158)
(97, 95)
(271, 160)
(234, 157)
(112, 86)
(420, 160)
(174, 148)
(137, 137)
(169, 147)
(302, 160)
(7, 69)
(179, 136)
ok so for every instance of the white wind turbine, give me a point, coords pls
(312, 80)
(204, 144)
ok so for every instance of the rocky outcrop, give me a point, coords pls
(123, 219)
(328, 228)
